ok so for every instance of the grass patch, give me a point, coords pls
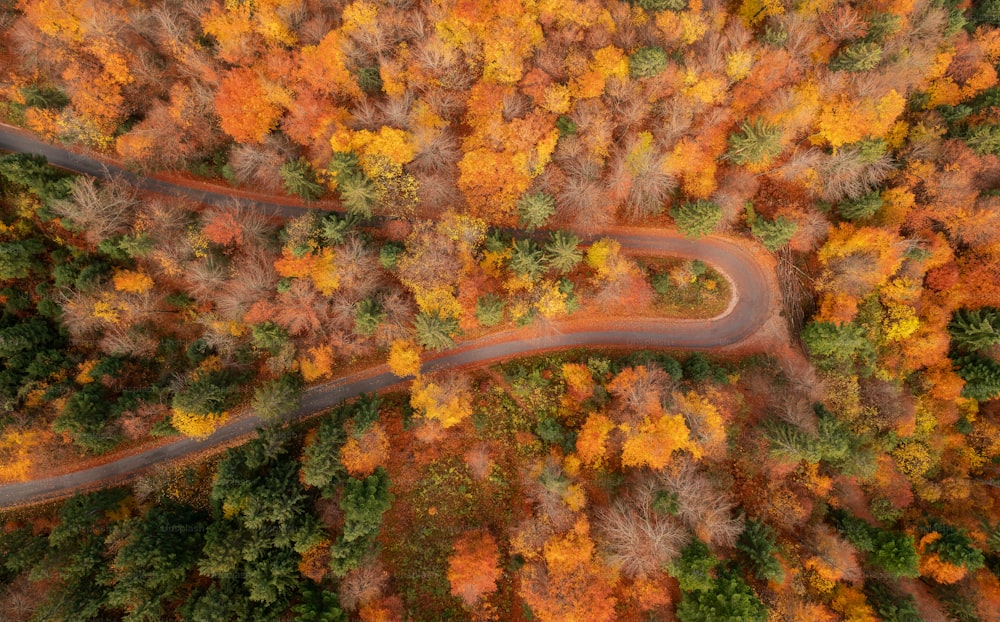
(685, 288)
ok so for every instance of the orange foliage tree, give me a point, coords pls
(247, 108)
(572, 583)
(474, 567)
(364, 453)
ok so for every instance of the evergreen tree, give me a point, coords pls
(563, 251)
(865, 206)
(155, 560)
(334, 229)
(890, 551)
(728, 598)
(269, 336)
(694, 569)
(301, 180)
(954, 546)
(357, 194)
(756, 143)
(647, 62)
(662, 5)
(321, 466)
(981, 376)
(857, 56)
(975, 329)
(276, 398)
(435, 331)
(773, 234)
(20, 259)
(489, 309)
(987, 12)
(33, 173)
(698, 218)
(890, 604)
(833, 345)
(535, 209)
(363, 502)
(318, 605)
(368, 314)
(526, 259)
(757, 543)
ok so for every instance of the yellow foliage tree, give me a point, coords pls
(579, 381)
(844, 120)
(602, 257)
(655, 442)
(449, 402)
(319, 363)
(404, 358)
(195, 425)
(132, 281)
(851, 603)
(704, 422)
(592, 440)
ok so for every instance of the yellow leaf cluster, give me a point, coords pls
(556, 98)
(551, 302)
(574, 497)
(132, 281)
(439, 300)
(602, 255)
(107, 311)
(851, 603)
(704, 421)
(543, 152)
(610, 62)
(846, 120)
(706, 90)
(83, 376)
(195, 425)
(738, 64)
(16, 450)
(359, 16)
(404, 358)
(319, 363)
(753, 12)
(578, 379)
(324, 272)
(433, 402)
(591, 442)
(655, 442)
(695, 166)
(899, 323)
(565, 553)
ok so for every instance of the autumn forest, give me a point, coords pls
(506, 310)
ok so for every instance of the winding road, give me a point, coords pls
(755, 299)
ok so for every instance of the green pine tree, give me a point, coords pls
(698, 218)
(756, 143)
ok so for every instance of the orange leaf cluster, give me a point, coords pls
(474, 567)
(361, 455)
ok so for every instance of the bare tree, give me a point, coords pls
(205, 278)
(259, 165)
(100, 210)
(363, 585)
(704, 508)
(253, 279)
(638, 537)
(848, 175)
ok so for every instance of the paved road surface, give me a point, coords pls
(753, 287)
